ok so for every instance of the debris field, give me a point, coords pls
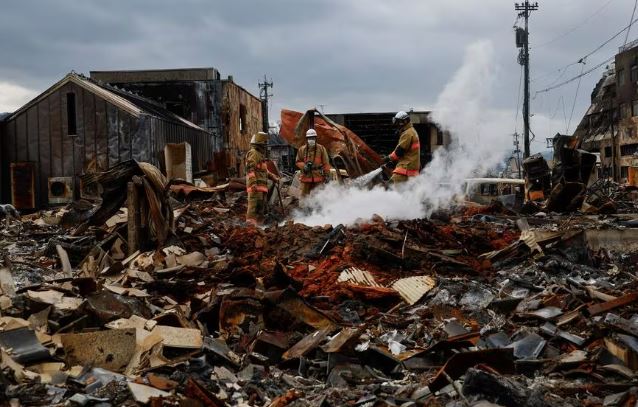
(477, 306)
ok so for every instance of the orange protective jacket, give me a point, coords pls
(318, 155)
(257, 173)
(407, 153)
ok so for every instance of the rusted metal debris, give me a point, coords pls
(479, 306)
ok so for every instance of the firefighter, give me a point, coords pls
(313, 161)
(406, 157)
(257, 175)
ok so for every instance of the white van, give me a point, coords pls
(508, 191)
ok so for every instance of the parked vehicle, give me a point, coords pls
(509, 191)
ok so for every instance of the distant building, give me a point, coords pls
(282, 153)
(610, 125)
(229, 112)
(377, 131)
(78, 126)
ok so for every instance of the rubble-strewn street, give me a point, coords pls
(319, 204)
(472, 307)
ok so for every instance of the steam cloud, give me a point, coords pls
(459, 109)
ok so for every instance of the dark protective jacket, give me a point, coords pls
(407, 154)
(318, 155)
(257, 173)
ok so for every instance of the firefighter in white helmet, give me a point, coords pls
(313, 161)
(406, 157)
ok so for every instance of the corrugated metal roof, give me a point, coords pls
(110, 97)
(412, 289)
(133, 104)
(357, 276)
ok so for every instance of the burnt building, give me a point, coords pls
(598, 129)
(227, 111)
(626, 140)
(610, 125)
(79, 126)
(377, 131)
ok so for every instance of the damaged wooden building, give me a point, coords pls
(226, 110)
(82, 125)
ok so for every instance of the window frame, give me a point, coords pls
(71, 115)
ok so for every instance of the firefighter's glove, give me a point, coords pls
(387, 159)
(308, 167)
(391, 164)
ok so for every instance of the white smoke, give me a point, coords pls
(459, 109)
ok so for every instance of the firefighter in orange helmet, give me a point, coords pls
(406, 157)
(257, 176)
(313, 161)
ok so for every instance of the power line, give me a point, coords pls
(590, 54)
(569, 123)
(564, 71)
(564, 113)
(553, 116)
(585, 21)
(633, 13)
(576, 77)
(559, 70)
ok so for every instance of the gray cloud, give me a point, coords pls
(351, 55)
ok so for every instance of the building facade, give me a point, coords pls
(241, 119)
(79, 126)
(610, 125)
(227, 111)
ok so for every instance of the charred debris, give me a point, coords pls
(162, 296)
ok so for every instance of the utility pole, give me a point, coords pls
(614, 142)
(264, 94)
(522, 42)
(517, 152)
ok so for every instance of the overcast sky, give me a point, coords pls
(349, 55)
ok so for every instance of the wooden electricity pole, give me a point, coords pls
(522, 42)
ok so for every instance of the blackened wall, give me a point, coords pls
(377, 131)
(227, 111)
(241, 118)
(193, 94)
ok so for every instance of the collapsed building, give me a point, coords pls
(609, 127)
(227, 111)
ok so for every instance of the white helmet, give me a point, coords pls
(400, 117)
(311, 133)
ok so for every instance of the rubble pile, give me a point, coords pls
(474, 307)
